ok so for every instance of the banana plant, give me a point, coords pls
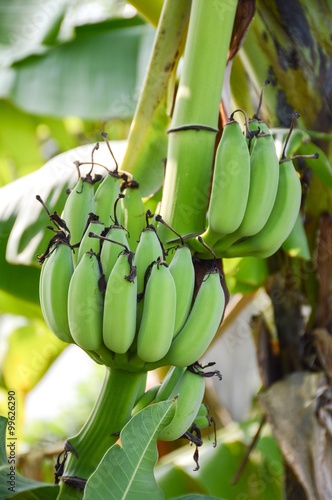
(192, 93)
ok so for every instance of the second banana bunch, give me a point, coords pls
(107, 284)
(255, 197)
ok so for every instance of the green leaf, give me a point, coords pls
(24, 489)
(25, 25)
(174, 481)
(96, 75)
(129, 470)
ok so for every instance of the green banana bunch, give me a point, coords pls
(202, 323)
(187, 387)
(156, 329)
(55, 276)
(109, 294)
(85, 304)
(264, 177)
(133, 212)
(281, 220)
(189, 392)
(120, 305)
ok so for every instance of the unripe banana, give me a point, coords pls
(158, 317)
(147, 398)
(54, 282)
(110, 250)
(133, 212)
(230, 183)
(120, 305)
(79, 204)
(85, 304)
(88, 243)
(190, 391)
(281, 220)
(149, 249)
(105, 197)
(202, 419)
(202, 324)
(183, 273)
(169, 383)
(264, 177)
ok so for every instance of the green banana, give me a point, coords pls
(202, 419)
(55, 276)
(158, 316)
(183, 272)
(189, 392)
(149, 249)
(88, 243)
(110, 249)
(264, 177)
(281, 220)
(85, 304)
(120, 305)
(230, 184)
(133, 212)
(202, 323)
(79, 204)
(169, 383)
(145, 400)
(106, 195)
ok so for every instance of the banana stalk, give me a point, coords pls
(111, 412)
(163, 62)
(194, 123)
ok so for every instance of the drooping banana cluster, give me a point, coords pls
(108, 285)
(255, 197)
(187, 387)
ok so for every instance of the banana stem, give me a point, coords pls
(110, 413)
(195, 119)
(165, 55)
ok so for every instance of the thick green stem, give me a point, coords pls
(165, 55)
(195, 119)
(111, 412)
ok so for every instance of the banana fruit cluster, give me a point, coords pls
(187, 387)
(255, 197)
(108, 285)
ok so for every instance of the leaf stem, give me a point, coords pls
(165, 55)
